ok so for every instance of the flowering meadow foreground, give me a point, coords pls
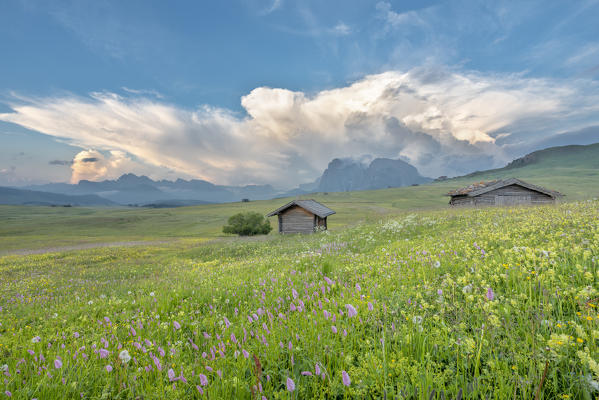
(493, 303)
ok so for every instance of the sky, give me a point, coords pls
(270, 91)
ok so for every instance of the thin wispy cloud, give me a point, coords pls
(444, 122)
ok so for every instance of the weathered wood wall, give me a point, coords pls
(296, 220)
(505, 196)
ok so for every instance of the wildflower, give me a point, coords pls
(109, 368)
(370, 306)
(124, 356)
(152, 294)
(490, 294)
(358, 288)
(417, 319)
(104, 353)
(203, 380)
(351, 311)
(31, 352)
(245, 353)
(176, 325)
(440, 292)
(306, 373)
(76, 335)
(4, 368)
(467, 289)
(200, 389)
(437, 264)
(8, 394)
(36, 339)
(317, 369)
(171, 374)
(334, 329)
(57, 364)
(346, 380)
(290, 384)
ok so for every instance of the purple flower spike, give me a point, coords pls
(176, 325)
(171, 374)
(290, 384)
(490, 294)
(203, 380)
(57, 364)
(351, 311)
(109, 368)
(346, 380)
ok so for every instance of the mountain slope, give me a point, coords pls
(133, 189)
(572, 170)
(30, 197)
(343, 175)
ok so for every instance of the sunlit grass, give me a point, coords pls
(484, 302)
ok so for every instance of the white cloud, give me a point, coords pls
(341, 29)
(93, 165)
(442, 122)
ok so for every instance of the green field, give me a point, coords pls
(472, 303)
(572, 170)
(482, 302)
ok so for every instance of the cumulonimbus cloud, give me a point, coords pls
(442, 122)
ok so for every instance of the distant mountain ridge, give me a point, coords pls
(14, 196)
(344, 175)
(340, 175)
(141, 190)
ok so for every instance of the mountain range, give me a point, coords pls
(340, 175)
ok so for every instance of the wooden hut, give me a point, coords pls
(505, 192)
(302, 216)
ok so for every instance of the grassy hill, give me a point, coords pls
(572, 170)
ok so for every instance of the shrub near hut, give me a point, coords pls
(247, 224)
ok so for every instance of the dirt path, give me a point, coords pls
(84, 246)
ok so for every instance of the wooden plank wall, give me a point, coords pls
(297, 220)
(508, 195)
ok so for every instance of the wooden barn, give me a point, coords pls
(302, 216)
(505, 192)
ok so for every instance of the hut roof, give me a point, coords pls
(311, 205)
(479, 188)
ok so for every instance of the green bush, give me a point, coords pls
(247, 224)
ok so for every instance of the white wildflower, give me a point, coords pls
(124, 356)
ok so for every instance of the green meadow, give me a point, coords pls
(402, 298)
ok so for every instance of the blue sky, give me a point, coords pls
(269, 91)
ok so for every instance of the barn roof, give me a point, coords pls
(311, 205)
(479, 188)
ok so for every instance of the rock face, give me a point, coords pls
(347, 175)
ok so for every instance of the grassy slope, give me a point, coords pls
(471, 303)
(573, 170)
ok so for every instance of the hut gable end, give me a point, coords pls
(507, 192)
(302, 216)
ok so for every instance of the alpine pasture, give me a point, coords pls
(470, 303)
